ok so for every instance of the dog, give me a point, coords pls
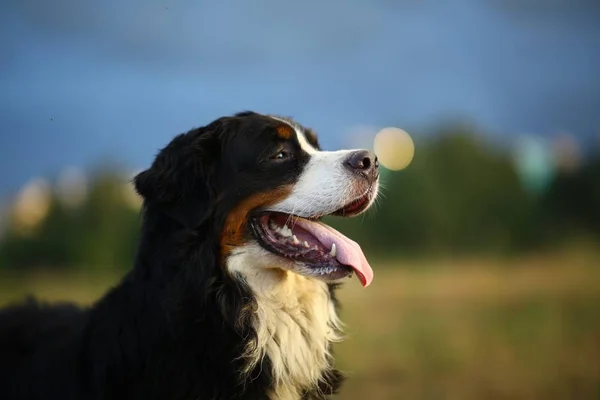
(232, 295)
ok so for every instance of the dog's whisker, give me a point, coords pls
(233, 270)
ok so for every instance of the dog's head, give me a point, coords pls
(261, 184)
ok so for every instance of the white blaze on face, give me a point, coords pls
(295, 318)
(325, 185)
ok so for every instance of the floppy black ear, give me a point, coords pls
(178, 183)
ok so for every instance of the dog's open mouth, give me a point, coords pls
(318, 249)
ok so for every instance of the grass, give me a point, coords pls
(456, 329)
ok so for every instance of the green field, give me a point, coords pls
(463, 329)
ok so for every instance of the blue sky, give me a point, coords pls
(86, 80)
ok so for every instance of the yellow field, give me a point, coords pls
(519, 329)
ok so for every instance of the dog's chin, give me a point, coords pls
(306, 245)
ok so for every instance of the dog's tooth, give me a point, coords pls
(282, 231)
(285, 231)
(333, 251)
(295, 239)
(306, 244)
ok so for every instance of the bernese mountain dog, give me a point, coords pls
(232, 295)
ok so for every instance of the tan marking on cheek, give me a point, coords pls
(233, 234)
(285, 132)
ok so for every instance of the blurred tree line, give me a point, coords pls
(459, 195)
(101, 231)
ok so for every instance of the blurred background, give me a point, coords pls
(486, 240)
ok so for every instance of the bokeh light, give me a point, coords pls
(394, 148)
(534, 162)
(485, 243)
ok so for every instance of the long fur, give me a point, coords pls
(295, 322)
(206, 313)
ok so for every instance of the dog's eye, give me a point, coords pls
(280, 155)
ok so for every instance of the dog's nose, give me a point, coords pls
(364, 162)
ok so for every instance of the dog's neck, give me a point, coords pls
(292, 319)
(295, 322)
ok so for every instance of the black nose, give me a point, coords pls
(364, 162)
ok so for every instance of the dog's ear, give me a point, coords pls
(179, 181)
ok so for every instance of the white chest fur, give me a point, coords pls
(295, 321)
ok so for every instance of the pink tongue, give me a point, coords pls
(348, 252)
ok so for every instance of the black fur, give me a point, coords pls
(173, 328)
